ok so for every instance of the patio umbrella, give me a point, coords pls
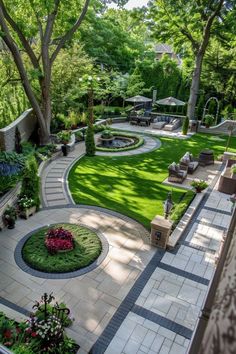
(138, 99)
(170, 101)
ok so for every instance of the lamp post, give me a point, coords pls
(168, 205)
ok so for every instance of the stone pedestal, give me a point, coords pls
(160, 231)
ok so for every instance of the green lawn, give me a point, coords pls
(132, 185)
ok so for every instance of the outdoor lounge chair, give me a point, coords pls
(189, 162)
(159, 125)
(177, 174)
(174, 124)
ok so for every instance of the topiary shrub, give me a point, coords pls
(89, 142)
(185, 126)
(30, 183)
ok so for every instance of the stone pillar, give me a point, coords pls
(160, 231)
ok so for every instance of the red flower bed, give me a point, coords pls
(59, 240)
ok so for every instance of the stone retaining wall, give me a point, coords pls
(222, 128)
(25, 123)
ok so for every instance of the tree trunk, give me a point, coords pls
(195, 86)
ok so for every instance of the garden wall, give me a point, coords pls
(222, 128)
(25, 123)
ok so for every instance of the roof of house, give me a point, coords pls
(163, 48)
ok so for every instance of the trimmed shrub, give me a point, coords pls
(89, 142)
(30, 183)
(185, 126)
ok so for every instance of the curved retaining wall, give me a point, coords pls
(25, 123)
(222, 128)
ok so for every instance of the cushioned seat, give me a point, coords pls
(177, 174)
(158, 125)
(174, 124)
(189, 162)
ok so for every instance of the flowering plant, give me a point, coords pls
(25, 202)
(59, 239)
(199, 185)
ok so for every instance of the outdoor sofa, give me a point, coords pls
(166, 123)
(174, 124)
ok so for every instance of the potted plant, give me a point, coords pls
(64, 137)
(26, 206)
(199, 185)
(9, 217)
(209, 120)
(233, 171)
(106, 134)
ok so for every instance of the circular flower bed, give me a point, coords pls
(61, 248)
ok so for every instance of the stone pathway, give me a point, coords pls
(54, 177)
(93, 297)
(161, 316)
(149, 130)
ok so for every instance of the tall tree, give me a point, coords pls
(32, 27)
(193, 22)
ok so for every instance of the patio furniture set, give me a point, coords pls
(188, 164)
(136, 118)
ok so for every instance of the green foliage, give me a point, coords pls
(31, 181)
(87, 249)
(138, 141)
(209, 120)
(233, 168)
(179, 208)
(185, 126)
(8, 182)
(64, 136)
(89, 141)
(199, 185)
(79, 136)
(99, 127)
(12, 157)
(200, 107)
(10, 211)
(107, 134)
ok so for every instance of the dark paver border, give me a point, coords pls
(215, 210)
(14, 307)
(163, 321)
(36, 273)
(126, 306)
(183, 273)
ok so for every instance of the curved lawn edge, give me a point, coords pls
(26, 268)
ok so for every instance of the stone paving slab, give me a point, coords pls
(91, 297)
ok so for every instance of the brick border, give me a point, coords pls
(23, 266)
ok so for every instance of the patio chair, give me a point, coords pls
(177, 174)
(189, 162)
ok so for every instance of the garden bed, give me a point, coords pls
(137, 141)
(87, 248)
